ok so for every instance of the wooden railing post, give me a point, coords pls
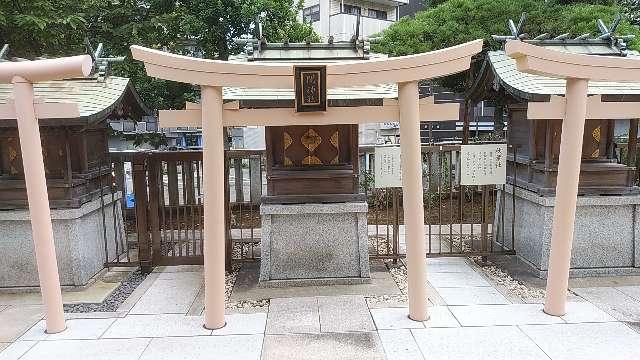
(142, 230)
(153, 167)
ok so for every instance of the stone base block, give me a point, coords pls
(606, 235)
(78, 237)
(314, 241)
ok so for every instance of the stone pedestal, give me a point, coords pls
(606, 237)
(312, 244)
(79, 241)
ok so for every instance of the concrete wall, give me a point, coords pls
(78, 236)
(606, 236)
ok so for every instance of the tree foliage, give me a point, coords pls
(457, 21)
(207, 27)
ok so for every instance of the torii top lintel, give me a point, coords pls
(280, 76)
(542, 61)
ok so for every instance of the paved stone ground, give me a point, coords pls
(472, 319)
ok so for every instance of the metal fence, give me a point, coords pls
(459, 219)
(162, 209)
(122, 248)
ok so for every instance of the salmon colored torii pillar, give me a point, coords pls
(577, 70)
(22, 75)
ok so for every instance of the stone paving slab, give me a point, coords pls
(477, 343)
(16, 320)
(399, 345)
(135, 296)
(494, 315)
(613, 301)
(582, 312)
(293, 316)
(439, 267)
(441, 317)
(394, 318)
(631, 291)
(79, 329)
(611, 341)
(459, 280)
(234, 347)
(171, 293)
(335, 346)
(96, 315)
(344, 313)
(16, 350)
(246, 287)
(472, 296)
(104, 349)
(94, 293)
(243, 324)
(148, 326)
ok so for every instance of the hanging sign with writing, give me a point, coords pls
(388, 171)
(483, 164)
(310, 85)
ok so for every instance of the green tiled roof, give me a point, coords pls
(528, 86)
(96, 99)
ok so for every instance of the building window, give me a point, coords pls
(351, 9)
(311, 14)
(377, 14)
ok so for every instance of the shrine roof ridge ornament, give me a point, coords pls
(340, 74)
(542, 61)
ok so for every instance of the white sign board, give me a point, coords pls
(484, 164)
(388, 171)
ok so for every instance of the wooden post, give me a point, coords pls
(39, 212)
(187, 177)
(154, 208)
(238, 180)
(214, 221)
(142, 229)
(632, 144)
(172, 182)
(412, 200)
(632, 149)
(566, 196)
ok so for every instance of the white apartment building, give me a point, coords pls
(338, 18)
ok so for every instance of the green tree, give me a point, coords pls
(205, 27)
(458, 21)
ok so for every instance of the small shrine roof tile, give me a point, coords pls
(96, 99)
(529, 86)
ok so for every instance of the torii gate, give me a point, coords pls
(212, 115)
(574, 108)
(26, 110)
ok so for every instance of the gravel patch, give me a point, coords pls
(512, 286)
(380, 245)
(399, 275)
(230, 281)
(114, 300)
